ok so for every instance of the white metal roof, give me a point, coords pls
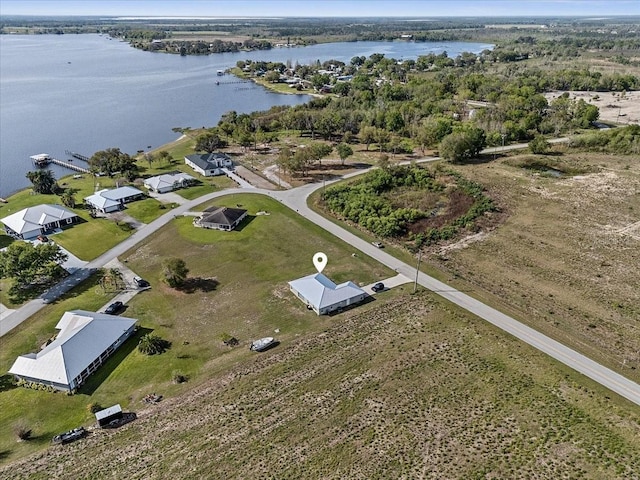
(32, 218)
(167, 180)
(107, 412)
(109, 198)
(82, 338)
(322, 292)
(100, 201)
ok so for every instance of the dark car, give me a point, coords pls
(378, 287)
(114, 308)
(141, 282)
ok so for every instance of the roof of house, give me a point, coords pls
(107, 198)
(33, 218)
(322, 292)
(222, 215)
(208, 161)
(82, 338)
(167, 180)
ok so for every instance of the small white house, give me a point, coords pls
(209, 164)
(107, 201)
(324, 296)
(168, 182)
(86, 339)
(30, 222)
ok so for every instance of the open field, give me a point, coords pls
(411, 389)
(615, 107)
(238, 286)
(566, 260)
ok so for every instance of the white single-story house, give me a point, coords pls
(86, 339)
(39, 220)
(107, 201)
(209, 164)
(324, 296)
(220, 218)
(168, 182)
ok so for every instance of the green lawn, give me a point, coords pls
(238, 287)
(92, 237)
(146, 210)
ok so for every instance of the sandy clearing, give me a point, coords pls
(616, 107)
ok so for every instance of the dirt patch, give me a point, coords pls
(253, 178)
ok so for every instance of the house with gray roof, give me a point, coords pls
(85, 340)
(209, 164)
(220, 218)
(112, 200)
(31, 222)
(168, 182)
(323, 296)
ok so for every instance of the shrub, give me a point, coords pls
(178, 377)
(151, 344)
(94, 407)
(22, 431)
(539, 145)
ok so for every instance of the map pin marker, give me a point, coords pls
(320, 261)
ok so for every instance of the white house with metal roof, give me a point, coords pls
(168, 182)
(107, 201)
(86, 339)
(209, 164)
(30, 222)
(324, 296)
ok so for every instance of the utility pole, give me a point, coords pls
(415, 284)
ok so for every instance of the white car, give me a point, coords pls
(377, 244)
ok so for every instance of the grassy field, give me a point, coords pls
(411, 389)
(566, 258)
(238, 286)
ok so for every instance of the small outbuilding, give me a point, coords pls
(108, 415)
(323, 296)
(209, 164)
(221, 218)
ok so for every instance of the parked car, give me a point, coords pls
(141, 282)
(378, 287)
(377, 244)
(114, 308)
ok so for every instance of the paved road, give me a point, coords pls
(296, 199)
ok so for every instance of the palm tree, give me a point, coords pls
(68, 199)
(43, 181)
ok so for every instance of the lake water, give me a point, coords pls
(85, 93)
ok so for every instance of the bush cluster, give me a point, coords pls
(368, 202)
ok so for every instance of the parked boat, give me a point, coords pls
(262, 344)
(70, 436)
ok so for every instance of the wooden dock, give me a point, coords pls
(77, 155)
(44, 159)
(69, 165)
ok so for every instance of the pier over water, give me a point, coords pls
(44, 159)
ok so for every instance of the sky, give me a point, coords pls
(320, 8)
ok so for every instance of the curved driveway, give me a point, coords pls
(296, 199)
